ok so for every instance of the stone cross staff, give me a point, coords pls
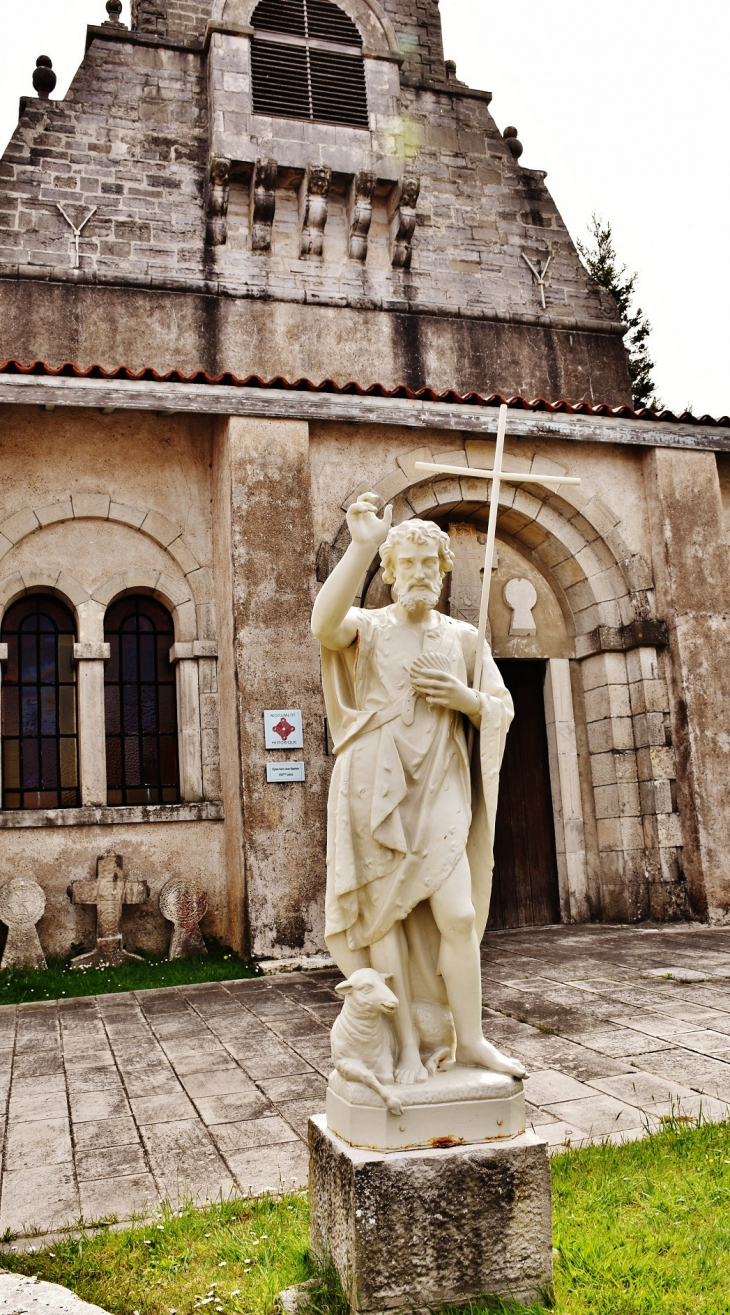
(110, 890)
(497, 475)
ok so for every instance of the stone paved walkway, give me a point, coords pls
(111, 1102)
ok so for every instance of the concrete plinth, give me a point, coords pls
(419, 1228)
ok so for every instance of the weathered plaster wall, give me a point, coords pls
(693, 587)
(277, 665)
(58, 322)
(92, 505)
(135, 458)
(57, 856)
(345, 458)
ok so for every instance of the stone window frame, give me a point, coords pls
(194, 652)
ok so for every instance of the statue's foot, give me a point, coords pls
(409, 1068)
(485, 1055)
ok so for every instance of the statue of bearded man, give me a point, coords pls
(410, 818)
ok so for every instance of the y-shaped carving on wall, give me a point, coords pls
(360, 214)
(263, 203)
(313, 206)
(403, 221)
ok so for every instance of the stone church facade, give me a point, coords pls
(267, 254)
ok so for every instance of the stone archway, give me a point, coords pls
(622, 855)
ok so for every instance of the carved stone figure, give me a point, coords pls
(363, 1045)
(360, 214)
(313, 206)
(263, 203)
(184, 903)
(402, 216)
(219, 185)
(411, 825)
(22, 904)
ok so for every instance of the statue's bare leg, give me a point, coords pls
(390, 955)
(459, 966)
(348, 961)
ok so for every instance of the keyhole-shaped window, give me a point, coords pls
(307, 63)
(39, 733)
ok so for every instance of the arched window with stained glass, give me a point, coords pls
(40, 761)
(140, 704)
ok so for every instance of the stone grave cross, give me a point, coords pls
(109, 890)
(497, 475)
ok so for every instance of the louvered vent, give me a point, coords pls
(316, 71)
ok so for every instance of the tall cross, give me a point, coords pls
(497, 475)
(76, 231)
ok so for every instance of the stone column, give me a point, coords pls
(273, 550)
(187, 657)
(619, 830)
(90, 659)
(692, 573)
(650, 706)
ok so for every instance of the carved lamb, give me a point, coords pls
(363, 1044)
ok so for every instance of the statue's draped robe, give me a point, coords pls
(404, 803)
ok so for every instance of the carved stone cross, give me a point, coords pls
(110, 890)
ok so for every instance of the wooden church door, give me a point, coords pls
(525, 888)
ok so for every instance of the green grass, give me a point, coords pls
(240, 1254)
(59, 980)
(644, 1229)
(640, 1229)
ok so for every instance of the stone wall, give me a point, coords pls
(127, 154)
(418, 26)
(95, 506)
(129, 141)
(182, 21)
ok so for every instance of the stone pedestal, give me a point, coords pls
(426, 1228)
(464, 1105)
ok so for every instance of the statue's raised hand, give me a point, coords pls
(367, 529)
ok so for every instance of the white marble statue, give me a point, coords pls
(411, 822)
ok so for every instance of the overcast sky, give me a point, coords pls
(626, 106)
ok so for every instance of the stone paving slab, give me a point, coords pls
(107, 1104)
(21, 1294)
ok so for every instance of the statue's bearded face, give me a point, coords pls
(417, 574)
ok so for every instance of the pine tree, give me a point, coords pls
(601, 261)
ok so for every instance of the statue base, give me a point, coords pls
(422, 1229)
(459, 1107)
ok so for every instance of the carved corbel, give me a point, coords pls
(313, 204)
(402, 218)
(263, 203)
(216, 209)
(360, 214)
